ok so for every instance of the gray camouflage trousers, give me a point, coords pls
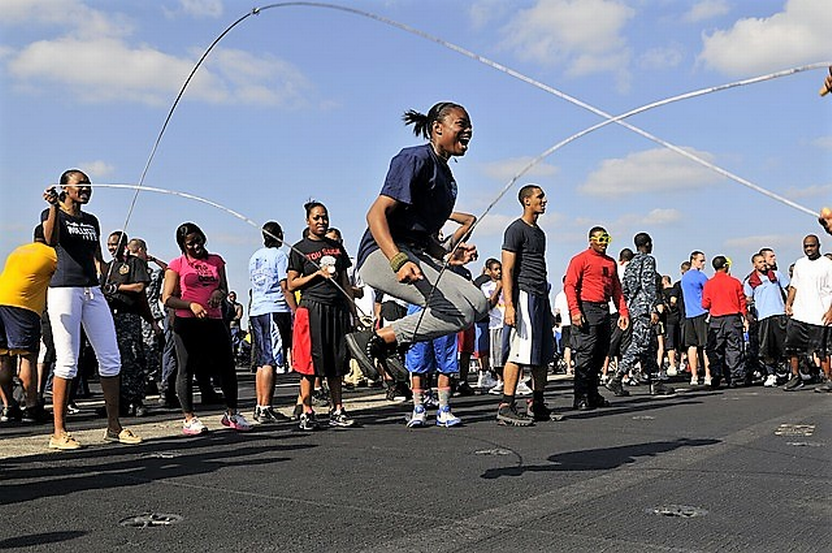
(641, 349)
(131, 349)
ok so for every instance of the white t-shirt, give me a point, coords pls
(813, 282)
(496, 313)
(562, 307)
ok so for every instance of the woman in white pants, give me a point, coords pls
(75, 298)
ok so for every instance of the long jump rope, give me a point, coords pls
(608, 119)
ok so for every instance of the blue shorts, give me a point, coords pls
(482, 340)
(439, 354)
(272, 336)
(19, 330)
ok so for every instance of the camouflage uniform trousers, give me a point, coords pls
(131, 348)
(152, 352)
(642, 347)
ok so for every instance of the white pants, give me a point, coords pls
(69, 308)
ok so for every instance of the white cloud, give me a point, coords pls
(754, 243)
(655, 218)
(706, 9)
(824, 143)
(584, 36)
(653, 170)
(97, 169)
(661, 58)
(506, 169)
(814, 191)
(202, 8)
(484, 12)
(85, 21)
(109, 69)
(798, 34)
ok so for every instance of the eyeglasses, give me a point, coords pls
(602, 239)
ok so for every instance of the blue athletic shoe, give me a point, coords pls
(418, 418)
(445, 418)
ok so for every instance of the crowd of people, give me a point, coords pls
(612, 324)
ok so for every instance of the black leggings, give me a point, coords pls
(203, 345)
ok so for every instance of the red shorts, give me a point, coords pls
(465, 340)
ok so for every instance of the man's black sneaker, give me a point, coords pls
(320, 398)
(308, 421)
(615, 386)
(358, 344)
(297, 412)
(598, 401)
(33, 415)
(10, 413)
(464, 389)
(539, 412)
(824, 388)
(507, 415)
(583, 404)
(660, 389)
(795, 383)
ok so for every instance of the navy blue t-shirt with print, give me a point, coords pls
(528, 243)
(78, 241)
(425, 189)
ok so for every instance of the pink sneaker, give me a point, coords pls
(236, 421)
(193, 427)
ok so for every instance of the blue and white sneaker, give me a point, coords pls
(418, 418)
(445, 418)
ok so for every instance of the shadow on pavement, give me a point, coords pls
(599, 459)
(40, 539)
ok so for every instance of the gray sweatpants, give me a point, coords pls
(455, 304)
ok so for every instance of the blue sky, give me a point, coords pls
(304, 102)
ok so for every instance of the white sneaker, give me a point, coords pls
(523, 390)
(771, 381)
(280, 369)
(694, 381)
(707, 381)
(417, 418)
(497, 389)
(193, 427)
(485, 381)
(604, 379)
(236, 421)
(671, 371)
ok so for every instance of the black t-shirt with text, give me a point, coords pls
(132, 270)
(321, 252)
(78, 241)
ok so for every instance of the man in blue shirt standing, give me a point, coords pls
(696, 329)
(270, 318)
(765, 287)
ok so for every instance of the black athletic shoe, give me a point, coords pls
(660, 389)
(583, 404)
(33, 415)
(10, 413)
(464, 389)
(598, 401)
(297, 412)
(357, 344)
(615, 386)
(507, 415)
(539, 412)
(795, 383)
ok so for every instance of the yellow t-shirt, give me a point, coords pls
(26, 276)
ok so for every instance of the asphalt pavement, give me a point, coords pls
(727, 470)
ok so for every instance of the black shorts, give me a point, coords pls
(696, 331)
(565, 333)
(672, 335)
(19, 330)
(806, 339)
(771, 333)
(319, 345)
(619, 339)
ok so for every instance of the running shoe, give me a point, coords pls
(11, 413)
(615, 386)
(276, 416)
(464, 389)
(339, 418)
(694, 381)
(445, 418)
(523, 389)
(193, 427)
(824, 388)
(308, 421)
(497, 389)
(33, 415)
(538, 411)
(124, 436)
(64, 442)
(72, 409)
(417, 418)
(507, 415)
(708, 381)
(319, 398)
(236, 421)
(771, 381)
(358, 346)
(485, 381)
(672, 371)
(296, 412)
(795, 383)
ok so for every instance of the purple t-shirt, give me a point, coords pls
(198, 278)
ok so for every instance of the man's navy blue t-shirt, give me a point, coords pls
(425, 188)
